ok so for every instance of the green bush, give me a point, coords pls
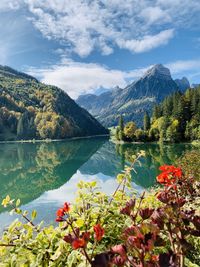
(123, 229)
(190, 163)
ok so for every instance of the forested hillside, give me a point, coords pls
(30, 109)
(178, 116)
(175, 119)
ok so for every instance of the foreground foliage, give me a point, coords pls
(157, 229)
(190, 163)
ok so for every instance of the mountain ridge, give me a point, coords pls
(30, 109)
(134, 99)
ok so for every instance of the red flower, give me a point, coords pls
(169, 175)
(86, 236)
(155, 258)
(99, 232)
(66, 207)
(164, 168)
(78, 243)
(60, 212)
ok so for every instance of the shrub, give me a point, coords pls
(119, 230)
(190, 163)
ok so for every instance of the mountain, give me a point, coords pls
(195, 85)
(183, 83)
(133, 100)
(30, 109)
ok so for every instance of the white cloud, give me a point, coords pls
(181, 66)
(85, 25)
(134, 25)
(6, 5)
(155, 14)
(78, 78)
(148, 42)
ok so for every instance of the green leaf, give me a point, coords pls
(80, 222)
(6, 201)
(33, 214)
(17, 202)
(18, 211)
(120, 177)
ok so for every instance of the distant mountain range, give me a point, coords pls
(135, 99)
(30, 109)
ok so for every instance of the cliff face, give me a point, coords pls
(132, 101)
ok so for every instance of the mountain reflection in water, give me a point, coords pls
(44, 175)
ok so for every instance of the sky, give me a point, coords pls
(86, 46)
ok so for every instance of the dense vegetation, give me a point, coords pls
(158, 229)
(175, 119)
(30, 109)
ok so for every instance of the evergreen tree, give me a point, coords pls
(177, 118)
(156, 112)
(121, 123)
(146, 121)
(195, 102)
(187, 134)
(163, 127)
(121, 128)
(175, 102)
(167, 106)
(172, 133)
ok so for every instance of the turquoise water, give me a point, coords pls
(44, 175)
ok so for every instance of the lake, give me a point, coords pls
(44, 175)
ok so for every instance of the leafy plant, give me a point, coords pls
(190, 162)
(124, 229)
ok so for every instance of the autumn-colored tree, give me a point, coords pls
(129, 130)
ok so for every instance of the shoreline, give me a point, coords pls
(32, 141)
(116, 142)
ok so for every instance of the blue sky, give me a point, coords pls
(84, 45)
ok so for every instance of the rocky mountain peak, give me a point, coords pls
(136, 98)
(182, 84)
(159, 70)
